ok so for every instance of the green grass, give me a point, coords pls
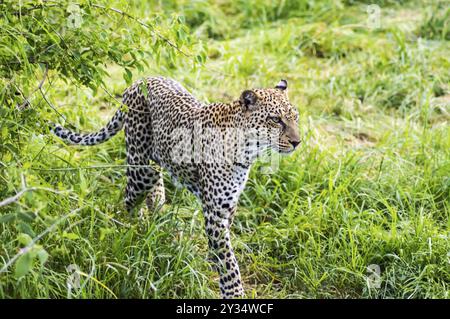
(369, 185)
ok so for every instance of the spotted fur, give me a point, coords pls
(158, 108)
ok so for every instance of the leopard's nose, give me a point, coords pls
(294, 143)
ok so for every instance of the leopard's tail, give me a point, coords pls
(111, 129)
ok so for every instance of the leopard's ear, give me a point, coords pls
(248, 100)
(282, 85)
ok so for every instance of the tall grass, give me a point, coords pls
(370, 184)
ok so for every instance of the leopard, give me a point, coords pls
(207, 147)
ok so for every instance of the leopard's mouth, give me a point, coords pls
(284, 149)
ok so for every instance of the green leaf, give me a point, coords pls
(104, 232)
(143, 87)
(128, 76)
(4, 132)
(26, 228)
(23, 265)
(43, 256)
(7, 218)
(71, 236)
(24, 239)
(25, 217)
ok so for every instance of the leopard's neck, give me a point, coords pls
(230, 119)
(226, 114)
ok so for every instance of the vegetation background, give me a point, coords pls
(369, 187)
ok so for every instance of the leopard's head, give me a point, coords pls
(271, 118)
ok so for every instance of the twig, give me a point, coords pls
(50, 104)
(37, 7)
(63, 169)
(27, 100)
(16, 197)
(159, 35)
(112, 96)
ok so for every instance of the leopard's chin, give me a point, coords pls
(284, 150)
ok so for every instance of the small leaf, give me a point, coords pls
(144, 87)
(71, 236)
(7, 157)
(5, 132)
(23, 265)
(128, 76)
(7, 218)
(104, 232)
(42, 255)
(25, 217)
(25, 228)
(24, 239)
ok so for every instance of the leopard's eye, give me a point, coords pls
(275, 119)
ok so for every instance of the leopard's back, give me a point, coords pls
(158, 115)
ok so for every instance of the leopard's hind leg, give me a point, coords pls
(142, 180)
(156, 196)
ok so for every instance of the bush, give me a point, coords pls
(44, 42)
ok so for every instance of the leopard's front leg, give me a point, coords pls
(218, 232)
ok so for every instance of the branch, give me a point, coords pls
(93, 167)
(27, 100)
(37, 7)
(159, 35)
(16, 197)
(51, 105)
